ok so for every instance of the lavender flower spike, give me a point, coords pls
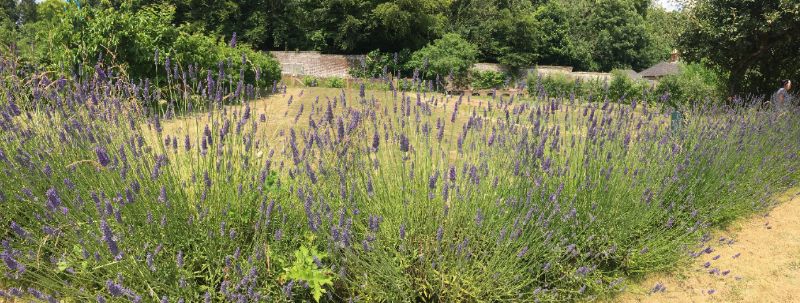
(102, 156)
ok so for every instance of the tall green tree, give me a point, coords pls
(663, 29)
(8, 11)
(451, 55)
(755, 42)
(364, 25)
(26, 11)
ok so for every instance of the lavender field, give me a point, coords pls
(207, 190)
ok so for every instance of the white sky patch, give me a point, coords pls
(669, 5)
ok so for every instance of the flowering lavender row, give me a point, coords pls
(360, 195)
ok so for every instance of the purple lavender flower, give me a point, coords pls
(233, 40)
(47, 170)
(287, 289)
(376, 140)
(162, 196)
(479, 217)
(658, 288)
(108, 237)
(432, 180)
(12, 263)
(370, 189)
(116, 290)
(19, 230)
(340, 129)
(179, 259)
(149, 261)
(311, 175)
(522, 252)
(53, 200)
(403, 143)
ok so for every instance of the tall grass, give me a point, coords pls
(395, 197)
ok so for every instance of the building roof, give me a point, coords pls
(661, 69)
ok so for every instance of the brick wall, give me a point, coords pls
(316, 64)
(309, 63)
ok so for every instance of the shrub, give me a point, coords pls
(488, 79)
(378, 64)
(139, 42)
(102, 200)
(695, 83)
(450, 55)
(310, 81)
(553, 84)
(623, 86)
(334, 82)
(209, 53)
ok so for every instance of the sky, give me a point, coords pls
(670, 5)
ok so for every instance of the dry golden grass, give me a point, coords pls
(767, 268)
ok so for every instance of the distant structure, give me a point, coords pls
(316, 64)
(549, 70)
(310, 63)
(663, 69)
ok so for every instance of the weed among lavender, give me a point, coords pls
(513, 199)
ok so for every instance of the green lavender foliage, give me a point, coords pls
(392, 196)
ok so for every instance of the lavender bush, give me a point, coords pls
(397, 197)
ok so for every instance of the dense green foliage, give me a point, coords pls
(754, 42)
(379, 64)
(362, 195)
(488, 79)
(695, 84)
(140, 42)
(450, 56)
(587, 34)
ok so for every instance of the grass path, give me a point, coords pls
(756, 259)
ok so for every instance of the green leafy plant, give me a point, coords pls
(450, 55)
(310, 81)
(553, 84)
(304, 268)
(378, 64)
(695, 83)
(487, 79)
(334, 82)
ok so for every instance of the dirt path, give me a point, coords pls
(754, 260)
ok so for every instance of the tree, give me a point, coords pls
(596, 35)
(450, 55)
(755, 42)
(26, 11)
(8, 11)
(663, 29)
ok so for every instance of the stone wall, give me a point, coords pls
(316, 64)
(489, 67)
(583, 76)
(309, 63)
